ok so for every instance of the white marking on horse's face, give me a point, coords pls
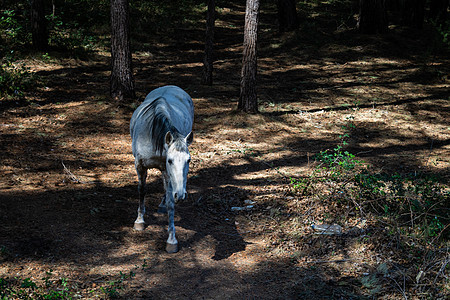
(177, 167)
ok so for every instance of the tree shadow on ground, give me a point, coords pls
(281, 280)
(90, 224)
(78, 221)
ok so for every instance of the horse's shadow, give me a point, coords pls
(220, 226)
(203, 219)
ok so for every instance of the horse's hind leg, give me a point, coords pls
(139, 224)
(162, 208)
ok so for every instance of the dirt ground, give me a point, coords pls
(68, 189)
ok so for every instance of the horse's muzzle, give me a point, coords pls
(176, 196)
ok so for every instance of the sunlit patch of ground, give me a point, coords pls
(68, 195)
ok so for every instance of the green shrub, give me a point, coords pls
(13, 29)
(29, 289)
(15, 79)
(443, 31)
(69, 35)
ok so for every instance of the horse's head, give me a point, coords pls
(177, 163)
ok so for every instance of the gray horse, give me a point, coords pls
(161, 131)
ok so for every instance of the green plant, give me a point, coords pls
(69, 35)
(443, 30)
(337, 159)
(335, 164)
(414, 205)
(3, 251)
(3, 284)
(13, 28)
(348, 127)
(299, 185)
(433, 227)
(415, 200)
(28, 289)
(46, 56)
(15, 79)
(248, 151)
(28, 283)
(114, 286)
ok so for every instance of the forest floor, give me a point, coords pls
(68, 188)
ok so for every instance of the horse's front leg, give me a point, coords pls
(172, 243)
(139, 224)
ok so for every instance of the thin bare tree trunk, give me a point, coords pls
(39, 34)
(248, 100)
(413, 13)
(122, 83)
(209, 43)
(287, 15)
(372, 16)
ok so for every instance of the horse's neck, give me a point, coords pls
(166, 119)
(161, 125)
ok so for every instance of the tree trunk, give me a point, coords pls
(122, 83)
(209, 42)
(287, 15)
(372, 16)
(413, 12)
(39, 34)
(248, 101)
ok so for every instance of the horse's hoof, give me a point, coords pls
(139, 226)
(171, 248)
(162, 210)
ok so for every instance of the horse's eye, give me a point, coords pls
(170, 161)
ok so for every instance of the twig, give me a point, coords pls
(278, 171)
(443, 266)
(439, 234)
(71, 175)
(330, 261)
(364, 152)
(399, 287)
(402, 290)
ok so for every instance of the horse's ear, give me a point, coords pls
(169, 138)
(189, 138)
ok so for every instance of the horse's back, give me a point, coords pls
(169, 91)
(176, 97)
(170, 100)
(180, 107)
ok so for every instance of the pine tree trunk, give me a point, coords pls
(209, 43)
(287, 15)
(372, 16)
(248, 101)
(122, 83)
(39, 34)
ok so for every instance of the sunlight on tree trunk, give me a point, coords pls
(248, 100)
(122, 83)
(209, 43)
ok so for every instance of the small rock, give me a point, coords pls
(327, 229)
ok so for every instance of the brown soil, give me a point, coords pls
(68, 195)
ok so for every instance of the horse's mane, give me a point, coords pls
(160, 123)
